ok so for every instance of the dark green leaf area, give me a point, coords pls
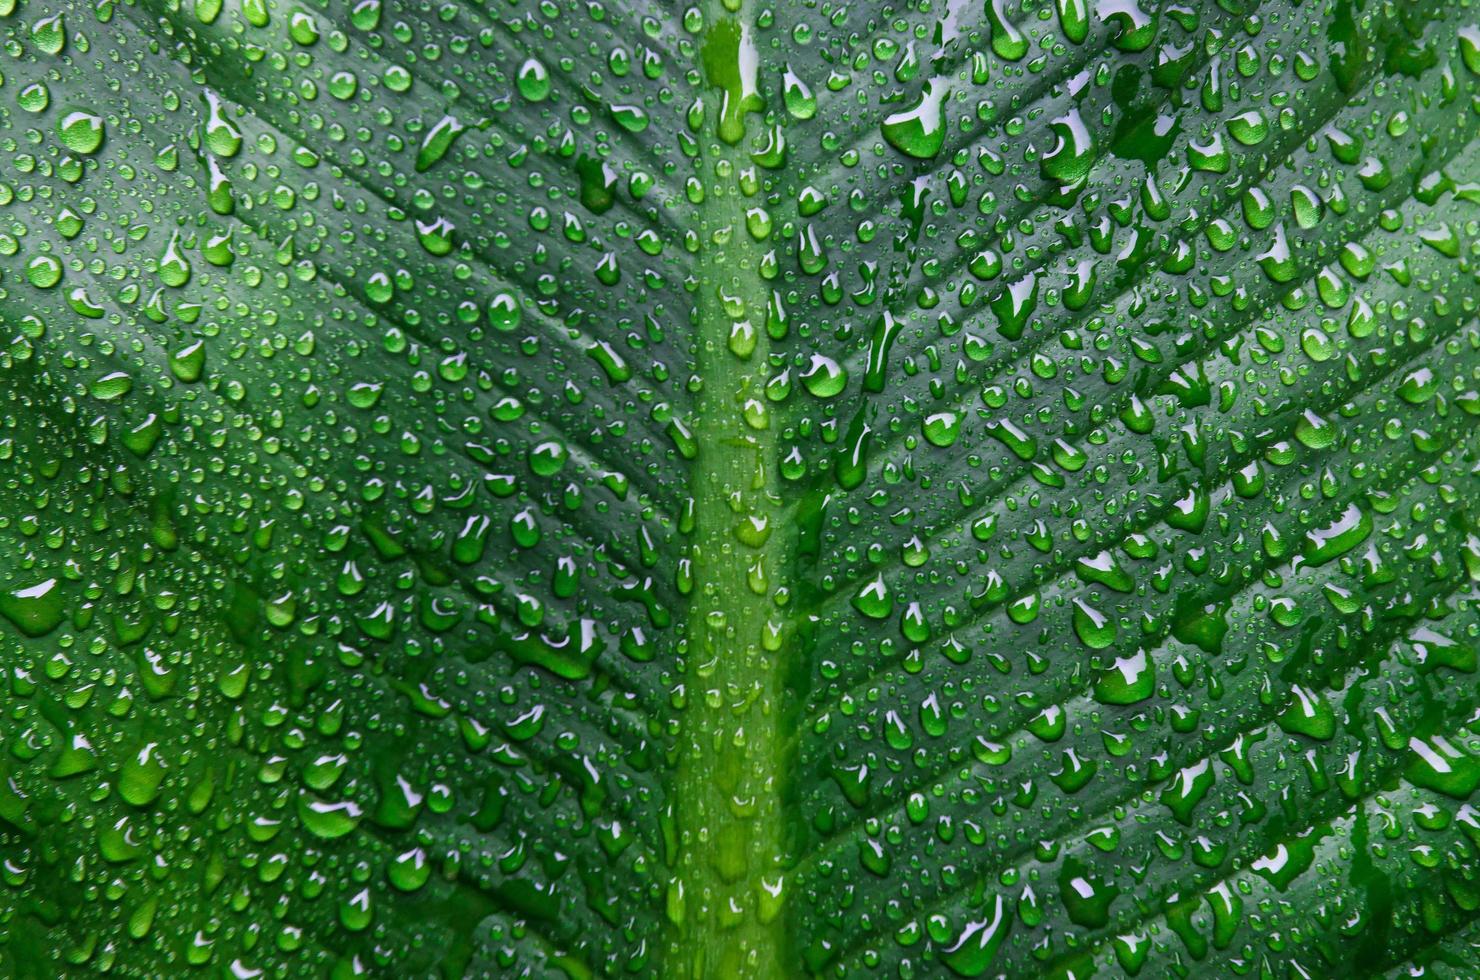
(553, 488)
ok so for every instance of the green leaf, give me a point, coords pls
(552, 488)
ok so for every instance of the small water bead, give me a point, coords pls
(410, 870)
(343, 85)
(1258, 209)
(800, 103)
(81, 131)
(436, 236)
(1128, 680)
(1437, 763)
(34, 609)
(217, 249)
(1317, 344)
(507, 409)
(1418, 386)
(44, 271)
(824, 377)
(303, 28)
(1094, 629)
(942, 429)
(1074, 19)
(142, 775)
(327, 820)
(119, 843)
(743, 339)
(1073, 153)
(365, 14)
(69, 223)
(1249, 128)
(974, 950)
(504, 313)
(631, 118)
(222, 137)
(35, 97)
(396, 78)
(49, 34)
(548, 458)
(439, 140)
(379, 288)
(533, 80)
(1308, 714)
(112, 386)
(1008, 42)
(174, 270)
(1357, 260)
(920, 132)
(874, 599)
(188, 363)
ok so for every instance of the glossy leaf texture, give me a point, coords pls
(800, 489)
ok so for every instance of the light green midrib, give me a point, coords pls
(725, 894)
